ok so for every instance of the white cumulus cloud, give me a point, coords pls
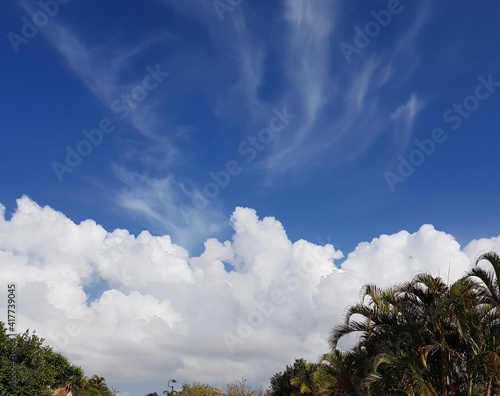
(138, 308)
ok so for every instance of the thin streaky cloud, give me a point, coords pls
(167, 204)
(310, 26)
(404, 119)
(354, 116)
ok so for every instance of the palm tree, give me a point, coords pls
(445, 316)
(394, 375)
(378, 322)
(96, 381)
(74, 378)
(378, 309)
(304, 379)
(330, 372)
(487, 282)
(488, 292)
(422, 337)
(414, 335)
(341, 373)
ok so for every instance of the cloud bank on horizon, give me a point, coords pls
(134, 308)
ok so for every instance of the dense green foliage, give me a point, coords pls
(422, 337)
(295, 380)
(28, 367)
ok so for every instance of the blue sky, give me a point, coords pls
(344, 120)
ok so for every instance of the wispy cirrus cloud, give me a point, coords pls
(166, 203)
(245, 53)
(340, 111)
(404, 118)
(343, 108)
(307, 50)
(104, 71)
(101, 67)
(148, 189)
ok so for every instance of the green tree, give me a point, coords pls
(417, 337)
(28, 367)
(421, 337)
(488, 342)
(26, 361)
(95, 386)
(280, 383)
(340, 373)
(299, 379)
(304, 380)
